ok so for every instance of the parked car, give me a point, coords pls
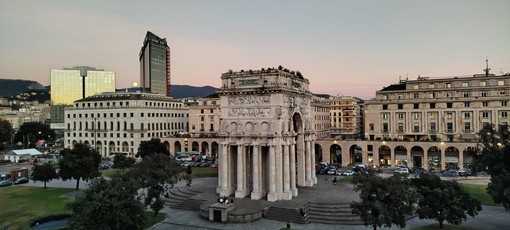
(22, 180)
(205, 164)
(348, 173)
(331, 171)
(402, 170)
(419, 170)
(465, 172)
(451, 173)
(5, 183)
(339, 172)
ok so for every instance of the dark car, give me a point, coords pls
(22, 180)
(465, 172)
(5, 183)
(205, 164)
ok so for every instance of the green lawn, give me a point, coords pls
(111, 172)
(445, 227)
(479, 192)
(20, 204)
(197, 172)
(152, 220)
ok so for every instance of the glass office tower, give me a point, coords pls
(71, 84)
(155, 65)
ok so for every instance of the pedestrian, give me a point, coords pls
(334, 181)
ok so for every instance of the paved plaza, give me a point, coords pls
(491, 217)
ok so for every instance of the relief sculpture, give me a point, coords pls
(249, 112)
(249, 100)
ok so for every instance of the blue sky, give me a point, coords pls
(343, 47)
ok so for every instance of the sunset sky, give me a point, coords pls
(343, 47)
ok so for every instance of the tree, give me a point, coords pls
(5, 132)
(156, 173)
(444, 200)
(44, 173)
(151, 147)
(108, 204)
(493, 156)
(120, 161)
(30, 132)
(82, 162)
(383, 201)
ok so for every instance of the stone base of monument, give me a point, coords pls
(218, 212)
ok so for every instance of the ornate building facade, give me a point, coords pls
(266, 134)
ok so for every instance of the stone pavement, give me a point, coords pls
(491, 217)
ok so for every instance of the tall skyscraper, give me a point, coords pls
(71, 84)
(155, 65)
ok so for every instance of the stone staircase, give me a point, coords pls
(183, 198)
(332, 213)
(286, 214)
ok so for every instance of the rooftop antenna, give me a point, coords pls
(486, 67)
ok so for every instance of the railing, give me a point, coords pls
(385, 131)
(432, 131)
(468, 131)
(416, 130)
(449, 131)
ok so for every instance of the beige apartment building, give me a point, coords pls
(346, 114)
(443, 109)
(204, 117)
(119, 122)
(322, 116)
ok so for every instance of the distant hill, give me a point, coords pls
(184, 91)
(10, 87)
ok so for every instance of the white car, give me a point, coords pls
(402, 170)
(332, 172)
(348, 173)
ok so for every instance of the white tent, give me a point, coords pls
(16, 155)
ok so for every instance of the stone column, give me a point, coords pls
(279, 169)
(443, 156)
(392, 159)
(375, 156)
(293, 188)
(225, 189)
(256, 193)
(314, 177)
(272, 196)
(241, 183)
(461, 160)
(300, 159)
(410, 162)
(287, 195)
(425, 160)
(308, 173)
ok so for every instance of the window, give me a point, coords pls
(467, 127)
(467, 115)
(416, 116)
(416, 106)
(465, 84)
(384, 107)
(449, 105)
(385, 116)
(431, 86)
(415, 95)
(385, 97)
(504, 114)
(400, 106)
(484, 94)
(416, 86)
(448, 85)
(485, 114)
(400, 127)
(449, 127)
(416, 127)
(201, 111)
(432, 95)
(371, 127)
(483, 83)
(400, 96)
(385, 128)
(504, 103)
(466, 94)
(400, 116)
(432, 105)
(485, 104)
(449, 115)
(432, 127)
(466, 104)
(501, 82)
(502, 92)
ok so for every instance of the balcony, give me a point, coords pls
(449, 131)
(432, 131)
(416, 130)
(385, 131)
(467, 131)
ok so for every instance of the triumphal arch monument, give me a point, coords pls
(267, 135)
